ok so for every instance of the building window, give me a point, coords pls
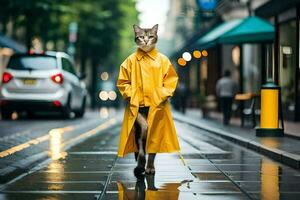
(287, 65)
(270, 63)
(251, 68)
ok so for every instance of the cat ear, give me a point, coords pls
(154, 28)
(136, 28)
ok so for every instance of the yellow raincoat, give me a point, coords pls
(149, 79)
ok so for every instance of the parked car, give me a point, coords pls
(42, 82)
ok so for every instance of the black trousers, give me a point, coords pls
(144, 111)
(226, 105)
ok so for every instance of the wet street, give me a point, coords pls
(82, 164)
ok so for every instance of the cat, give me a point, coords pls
(146, 40)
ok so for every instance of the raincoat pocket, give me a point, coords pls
(134, 100)
(157, 97)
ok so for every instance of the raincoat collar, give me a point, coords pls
(152, 54)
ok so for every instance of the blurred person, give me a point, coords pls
(226, 89)
(147, 79)
(182, 96)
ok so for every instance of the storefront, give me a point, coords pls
(285, 54)
(238, 45)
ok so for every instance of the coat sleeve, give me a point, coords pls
(124, 80)
(170, 80)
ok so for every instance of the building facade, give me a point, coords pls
(284, 54)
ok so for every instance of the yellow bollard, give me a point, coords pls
(269, 123)
(269, 108)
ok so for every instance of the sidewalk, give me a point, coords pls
(291, 129)
(285, 150)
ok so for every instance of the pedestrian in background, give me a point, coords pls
(226, 89)
(182, 96)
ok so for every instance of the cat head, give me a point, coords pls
(145, 38)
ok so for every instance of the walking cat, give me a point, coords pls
(146, 40)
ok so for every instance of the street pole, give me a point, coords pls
(73, 28)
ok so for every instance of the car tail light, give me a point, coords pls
(57, 78)
(56, 103)
(6, 77)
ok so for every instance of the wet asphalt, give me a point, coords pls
(208, 167)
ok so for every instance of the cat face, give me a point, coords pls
(145, 38)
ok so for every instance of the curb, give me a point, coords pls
(284, 157)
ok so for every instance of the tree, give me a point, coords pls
(104, 27)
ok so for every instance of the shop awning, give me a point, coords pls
(248, 30)
(211, 38)
(9, 43)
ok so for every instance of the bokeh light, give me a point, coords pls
(104, 112)
(197, 54)
(103, 95)
(112, 95)
(204, 53)
(181, 62)
(104, 76)
(187, 56)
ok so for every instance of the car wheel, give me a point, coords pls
(67, 111)
(6, 114)
(81, 111)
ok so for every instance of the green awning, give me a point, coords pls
(250, 30)
(211, 38)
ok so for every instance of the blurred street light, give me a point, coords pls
(103, 95)
(181, 62)
(197, 54)
(104, 76)
(112, 95)
(187, 56)
(235, 54)
(204, 53)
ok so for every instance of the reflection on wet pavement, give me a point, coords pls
(269, 180)
(55, 145)
(140, 191)
(207, 168)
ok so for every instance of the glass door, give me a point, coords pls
(287, 69)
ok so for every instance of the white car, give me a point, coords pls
(42, 82)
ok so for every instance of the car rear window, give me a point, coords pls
(32, 63)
